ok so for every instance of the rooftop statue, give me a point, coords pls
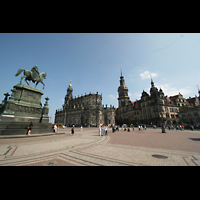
(32, 75)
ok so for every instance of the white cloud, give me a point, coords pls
(148, 74)
(113, 97)
(185, 91)
(134, 96)
(171, 91)
(137, 95)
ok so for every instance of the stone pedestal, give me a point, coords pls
(24, 106)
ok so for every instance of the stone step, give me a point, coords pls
(26, 136)
(20, 128)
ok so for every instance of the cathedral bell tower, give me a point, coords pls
(123, 93)
(69, 94)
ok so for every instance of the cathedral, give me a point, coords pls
(85, 110)
(154, 108)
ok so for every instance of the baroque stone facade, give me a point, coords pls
(85, 110)
(154, 108)
(190, 113)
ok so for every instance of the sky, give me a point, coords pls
(92, 61)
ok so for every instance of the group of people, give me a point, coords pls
(103, 130)
(140, 127)
(176, 127)
(72, 130)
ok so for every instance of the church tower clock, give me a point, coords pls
(123, 93)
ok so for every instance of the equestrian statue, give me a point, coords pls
(32, 75)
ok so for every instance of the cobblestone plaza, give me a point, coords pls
(87, 148)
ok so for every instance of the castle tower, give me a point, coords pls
(123, 93)
(153, 90)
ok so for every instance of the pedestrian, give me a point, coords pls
(106, 130)
(29, 128)
(183, 127)
(117, 128)
(103, 130)
(139, 127)
(72, 130)
(55, 128)
(81, 128)
(113, 129)
(100, 127)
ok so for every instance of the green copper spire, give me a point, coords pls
(70, 85)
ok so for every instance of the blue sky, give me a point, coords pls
(92, 61)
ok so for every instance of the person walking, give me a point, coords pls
(72, 130)
(55, 128)
(103, 130)
(106, 130)
(81, 128)
(100, 127)
(29, 128)
(113, 129)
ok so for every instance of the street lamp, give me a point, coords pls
(163, 126)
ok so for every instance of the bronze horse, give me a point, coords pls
(32, 75)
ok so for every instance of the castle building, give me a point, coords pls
(152, 109)
(190, 113)
(84, 111)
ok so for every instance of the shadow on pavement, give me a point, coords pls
(195, 139)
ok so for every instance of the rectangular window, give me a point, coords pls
(195, 114)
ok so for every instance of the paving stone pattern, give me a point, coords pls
(87, 148)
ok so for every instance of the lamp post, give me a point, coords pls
(163, 126)
(65, 116)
